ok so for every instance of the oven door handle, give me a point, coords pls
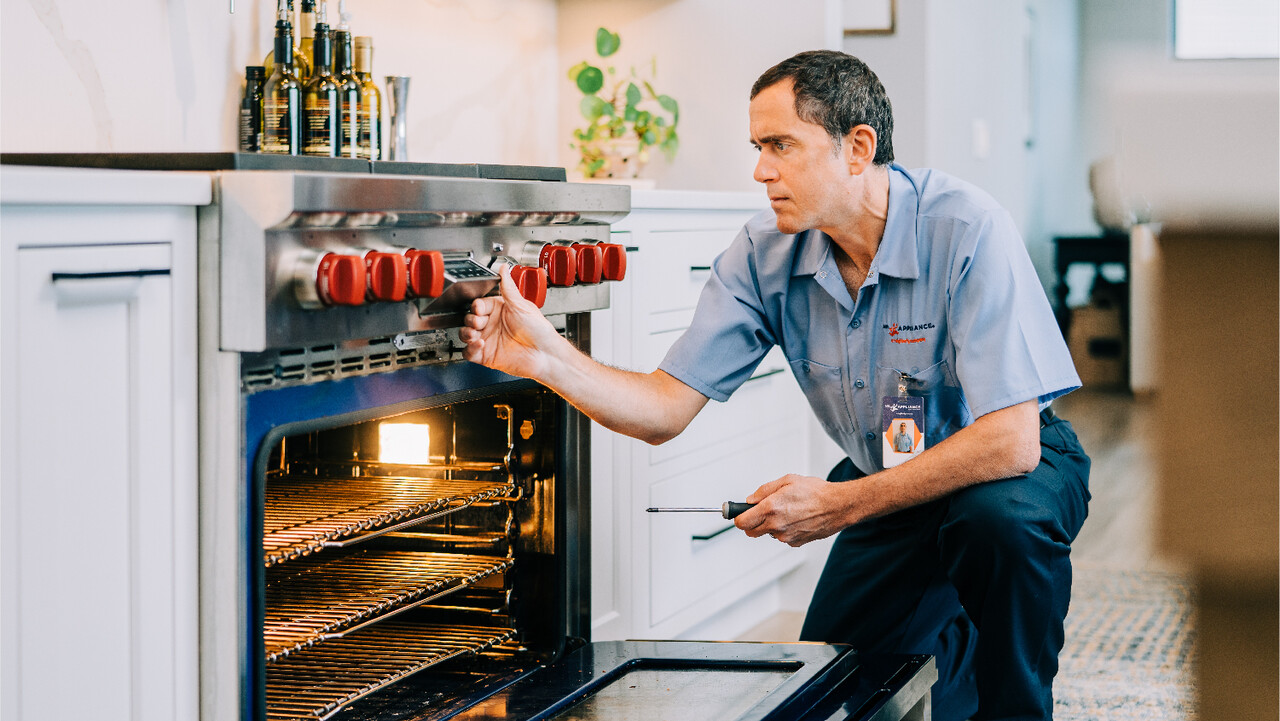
(399, 526)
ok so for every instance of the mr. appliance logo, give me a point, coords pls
(896, 331)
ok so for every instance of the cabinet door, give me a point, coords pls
(97, 518)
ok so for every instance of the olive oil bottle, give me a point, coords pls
(348, 93)
(301, 64)
(281, 94)
(251, 110)
(307, 31)
(370, 139)
(321, 110)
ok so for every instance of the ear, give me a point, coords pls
(859, 148)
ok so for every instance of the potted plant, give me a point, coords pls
(625, 116)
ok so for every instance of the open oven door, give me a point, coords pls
(705, 681)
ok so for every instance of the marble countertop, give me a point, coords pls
(27, 185)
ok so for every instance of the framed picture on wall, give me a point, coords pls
(870, 17)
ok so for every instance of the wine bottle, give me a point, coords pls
(322, 113)
(251, 109)
(301, 64)
(348, 93)
(370, 139)
(281, 94)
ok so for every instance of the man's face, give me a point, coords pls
(902, 427)
(800, 165)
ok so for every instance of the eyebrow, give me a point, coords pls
(773, 139)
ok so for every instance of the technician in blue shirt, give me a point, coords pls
(871, 277)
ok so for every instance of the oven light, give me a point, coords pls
(404, 443)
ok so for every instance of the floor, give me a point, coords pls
(1113, 428)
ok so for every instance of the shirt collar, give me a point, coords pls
(897, 253)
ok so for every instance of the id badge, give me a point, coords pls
(902, 428)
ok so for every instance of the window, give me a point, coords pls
(1214, 29)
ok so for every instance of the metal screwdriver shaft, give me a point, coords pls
(730, 509)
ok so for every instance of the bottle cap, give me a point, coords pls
(255, 72)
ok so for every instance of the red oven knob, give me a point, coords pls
(340, 279)
(615, 261)
(560, 264)
(532, 283)
(590, 262)
(426, 273)
(386, 275)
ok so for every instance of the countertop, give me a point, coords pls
(27, 185)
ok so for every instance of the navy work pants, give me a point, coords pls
(981, 579)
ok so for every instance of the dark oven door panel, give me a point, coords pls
(705, 681)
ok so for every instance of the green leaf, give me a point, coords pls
(573, 71)
(590, 80)
(633, 94)
(631, 114)
(660, 121)
(594, 166)
(652, 93)
(607, 43)
(649, 137)
(644, 118)
(669, 104)
(593, 107)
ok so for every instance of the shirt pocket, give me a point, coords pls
(823, 385)
(945, 409)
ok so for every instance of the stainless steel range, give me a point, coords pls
(390, 532)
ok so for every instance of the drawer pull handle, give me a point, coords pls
(765, 374)
(632, 248)
(709, 536)
(699, 269)
(107, 274)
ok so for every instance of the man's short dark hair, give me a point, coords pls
(837, 91)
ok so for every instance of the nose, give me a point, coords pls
(765, 172)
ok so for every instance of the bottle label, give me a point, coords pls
(248, 131)
(278, 133)
(319, 131)
(350, 125)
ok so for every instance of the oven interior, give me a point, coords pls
(409, 557)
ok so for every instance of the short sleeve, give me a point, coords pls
(1008, 347)
(730, 332)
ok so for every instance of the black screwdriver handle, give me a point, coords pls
(732, 510)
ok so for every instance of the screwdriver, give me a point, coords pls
(730, 509)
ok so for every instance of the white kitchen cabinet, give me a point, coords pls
(673, 575)
(98, 517)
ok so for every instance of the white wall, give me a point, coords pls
(710, 52)
(166, 75)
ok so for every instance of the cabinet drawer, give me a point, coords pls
(692, 555)
(675, 265)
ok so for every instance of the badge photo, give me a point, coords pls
(902, 429)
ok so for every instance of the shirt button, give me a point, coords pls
(871, 436)
(858, 383)
(805, 366)
(856, 322)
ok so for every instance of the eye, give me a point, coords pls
(780, 146)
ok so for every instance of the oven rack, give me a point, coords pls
(320, 681)
(304, 515)
(318, 599)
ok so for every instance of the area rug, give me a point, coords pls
(1129, 648)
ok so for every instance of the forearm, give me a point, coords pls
(1001, 444)
(653, 407)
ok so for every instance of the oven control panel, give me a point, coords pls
(318, 258)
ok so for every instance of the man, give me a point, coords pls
(901, 441)
(878, 283)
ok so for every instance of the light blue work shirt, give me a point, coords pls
(951, 300)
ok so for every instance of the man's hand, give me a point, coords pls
(509, 333)
(795, 510)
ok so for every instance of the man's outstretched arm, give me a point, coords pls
(510, 334)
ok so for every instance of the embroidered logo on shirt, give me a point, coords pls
(896, 330)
